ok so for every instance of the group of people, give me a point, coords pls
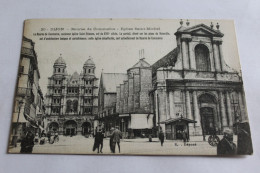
(115, 137)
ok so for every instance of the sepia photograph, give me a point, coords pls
(130, 87)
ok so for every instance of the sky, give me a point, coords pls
(118, 55)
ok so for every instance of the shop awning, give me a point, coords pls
(173, 120)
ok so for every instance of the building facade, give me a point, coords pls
(29, 100)
(107, 98)
(133, 101)
(72, 100)
(194, 89)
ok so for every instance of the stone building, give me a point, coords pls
(71, 100)
(28, 101)
(133, 101)
(194, 89)
(107, 98)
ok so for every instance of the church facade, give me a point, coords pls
(71, 100)
(194, 89)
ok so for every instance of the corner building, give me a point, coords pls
(194, 89)
(29, 102)
(72, 99)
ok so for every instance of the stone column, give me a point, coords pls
(222, 61)
(167, 105)
(229, 112)
(188, 106)
(196, 108)
(242, 108)
(188, 113)
(192, 57)
(223, 111)
(216, 56)
(184, 55)
(172, 106)
(198, 129)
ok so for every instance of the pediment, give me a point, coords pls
(202, 29)
(202, 32)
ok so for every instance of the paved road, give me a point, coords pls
(82, 145)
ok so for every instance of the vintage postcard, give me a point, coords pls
(130, 87)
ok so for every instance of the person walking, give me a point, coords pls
(27, 143)
(161, 137)
(98, 139)
(111, 142)
(184, 137)
(116, 136)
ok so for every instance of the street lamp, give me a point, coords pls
(15, 137)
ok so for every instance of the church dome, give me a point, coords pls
(89, 62)
(60, 61)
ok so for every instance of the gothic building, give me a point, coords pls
(133, 101)
(194, 89)
(71, 100)
(107, 98)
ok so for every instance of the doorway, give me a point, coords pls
(207, 120)
(70, 128)
(179, 130)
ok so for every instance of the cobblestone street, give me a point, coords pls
(81, 145)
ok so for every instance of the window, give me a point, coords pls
(90, 91)
(90, 82)
(202, 58)
(89, 70)
(58, 69)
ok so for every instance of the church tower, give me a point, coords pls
(56, 87)
(89, 89)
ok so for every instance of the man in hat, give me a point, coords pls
(98, 139)
(244, 141)
(226, 145)
(111, 142)
(116, 136)
(27, 143)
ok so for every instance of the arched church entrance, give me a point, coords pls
(70, 128)
(54, 126)
(86, 128)
(208, 107)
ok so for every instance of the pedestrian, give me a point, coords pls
(226, 145)
(99, 139)
(27, 143)
(161, 137)
(111, 143)
(244, 141)
(116, 136)
(184, 136)
(49, 136)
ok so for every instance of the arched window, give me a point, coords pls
(75, 105)
(202, 58)
(68, 106)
